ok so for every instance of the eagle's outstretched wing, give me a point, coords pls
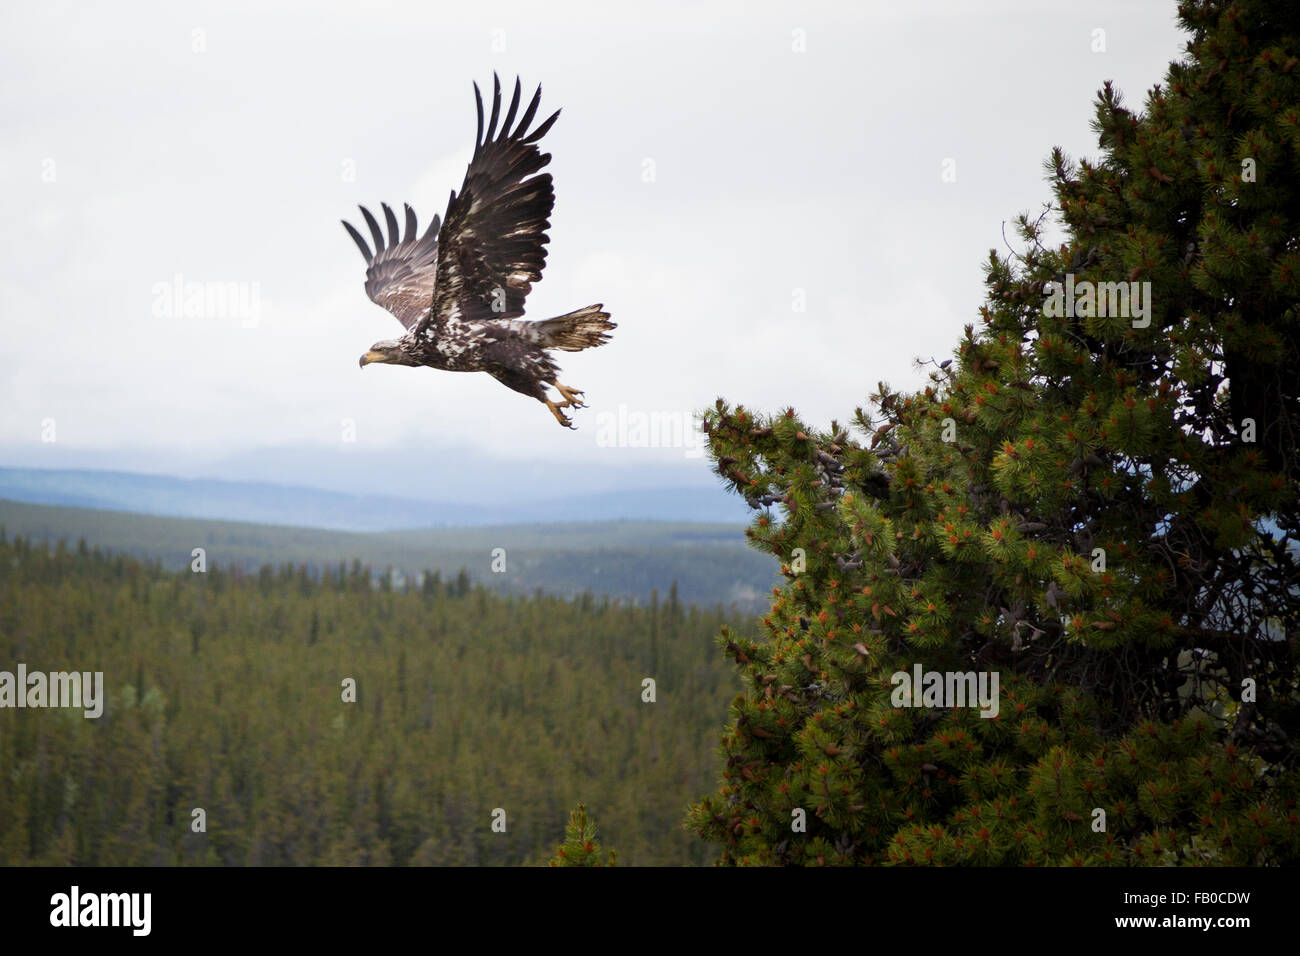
(402, 270)
(491, 248)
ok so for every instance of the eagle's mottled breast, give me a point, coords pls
(456, 346)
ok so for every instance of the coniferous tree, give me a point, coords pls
(580, 846)
(1096, 501)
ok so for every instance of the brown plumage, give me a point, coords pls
(459, 289)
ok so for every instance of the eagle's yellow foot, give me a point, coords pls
(570, 396)
(559, 415)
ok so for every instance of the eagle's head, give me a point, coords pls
(389, 352)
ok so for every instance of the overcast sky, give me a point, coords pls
(717, 165)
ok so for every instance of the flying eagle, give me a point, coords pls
(459, 289)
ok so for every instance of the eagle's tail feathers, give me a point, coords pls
(583, 329)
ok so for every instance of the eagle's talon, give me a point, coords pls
(570, 396)
(559, 415)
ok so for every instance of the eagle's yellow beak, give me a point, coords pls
(373, 356)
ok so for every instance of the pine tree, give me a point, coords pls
(1095, 500)
(580, 846)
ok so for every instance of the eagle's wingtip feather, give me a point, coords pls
(510, 113)
(375, 231)
(412, 227)
(391, 219)
(496, 106)
(356, 237)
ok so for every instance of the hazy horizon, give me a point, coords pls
(756, 195)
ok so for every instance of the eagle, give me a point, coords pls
(459, 289)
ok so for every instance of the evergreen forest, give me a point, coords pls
(225, 694)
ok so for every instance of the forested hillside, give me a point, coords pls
(224, 692)
(627, 559)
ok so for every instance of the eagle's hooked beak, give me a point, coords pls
(373, 356)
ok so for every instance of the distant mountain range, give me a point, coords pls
(299, 506)
(710, 564)
(625, 544)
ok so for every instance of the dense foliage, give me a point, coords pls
(1097, 505)
(581, 847)
(225, 694)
